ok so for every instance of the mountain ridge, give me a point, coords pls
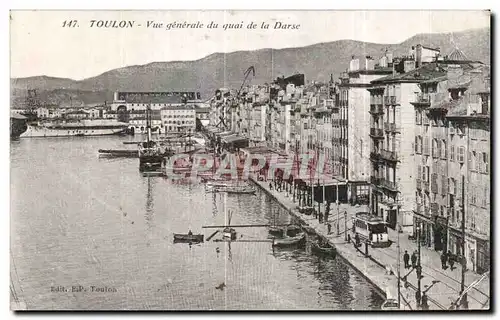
(316, 61)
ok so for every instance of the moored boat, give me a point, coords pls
(118, 153)
(74, 128)
(290, 241)
(323, 249)
(193, 238)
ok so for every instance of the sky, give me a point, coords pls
(40, 45)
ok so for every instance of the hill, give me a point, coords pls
(217, 70)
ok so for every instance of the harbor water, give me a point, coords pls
(80, 220)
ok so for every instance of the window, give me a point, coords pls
(485, 162)
(452, 153)
(416, 144)
(443, 149)
(452, 186)
(461, 154)
(425, 120)
(435, 148)
(418, 117)
(426, 146)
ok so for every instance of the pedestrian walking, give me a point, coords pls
(406, 259)
(321, 217)
(356, 240)
(444, 259)
(424, 303)
(413, 260)
(451, 260)
(329, 226)
(270, 186)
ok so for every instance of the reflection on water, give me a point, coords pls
(81, 220)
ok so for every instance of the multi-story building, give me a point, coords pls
(469, 168)
(352, 123)
(178, 119)
(443, 133)
(127, 101)
(78, 114)
(392, 132)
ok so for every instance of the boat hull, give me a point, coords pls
(323, 251)
(186, 238)
(78, 129)
(289, 242)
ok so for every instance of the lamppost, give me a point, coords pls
(419, 266)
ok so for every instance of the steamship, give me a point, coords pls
(74, 128)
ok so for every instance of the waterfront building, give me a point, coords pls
(77, 115)
(178, 119)
(452, 111)
(202, 114)
(42, 113)
(131, 101)
(392, 133)
(470, 131)
(351, 123)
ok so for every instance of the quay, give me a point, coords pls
(379, 267)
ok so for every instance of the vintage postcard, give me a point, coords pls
(250, 160)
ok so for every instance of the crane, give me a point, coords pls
(246, 74)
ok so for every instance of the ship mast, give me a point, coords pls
(148, 122)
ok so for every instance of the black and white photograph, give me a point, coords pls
(250, 160)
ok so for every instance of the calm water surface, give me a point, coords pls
(80, 220)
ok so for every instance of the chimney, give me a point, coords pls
(354, 65)
(369, 63)
(389, 57)
(418, 56)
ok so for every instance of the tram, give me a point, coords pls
(370, 228)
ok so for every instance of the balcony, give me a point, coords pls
(391, 127)
(389, 185)
(375, 155)
(387, 100)
(423, 98)
(389, 155)
(375, 180)
(376, 133)
(393, 100)
(419, 184)
(376, 109)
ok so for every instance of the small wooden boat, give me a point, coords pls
(235, 189)
(293, 230)
(193, 238)
(229, 233)
(290, 241)
(323, 249)
(276, 231)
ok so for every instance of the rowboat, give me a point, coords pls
(235, 189)
(323, 250)
(194, 238)
(276, 231)
(290, 241)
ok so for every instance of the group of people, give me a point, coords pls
(447, 257)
